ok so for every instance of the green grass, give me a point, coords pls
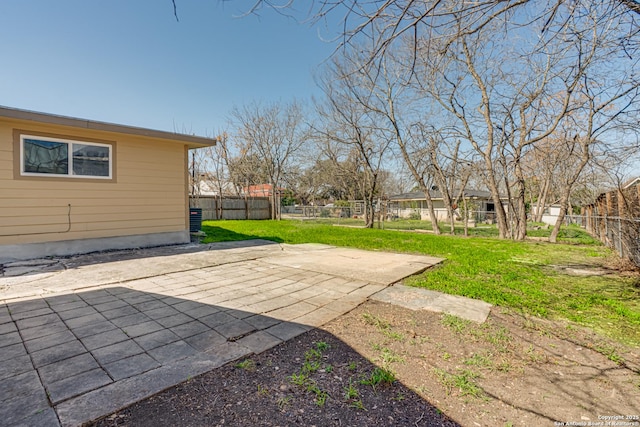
(569, 234)
(518, 275)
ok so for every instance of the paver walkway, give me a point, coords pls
(101, 332)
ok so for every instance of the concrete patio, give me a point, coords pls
(84, 336)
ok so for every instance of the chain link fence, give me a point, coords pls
(621, 234)
(615, 219)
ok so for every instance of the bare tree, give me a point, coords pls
(217, 175)
(380, 91)
(508, 72)
(346, 120)
(601, 112)
(502, 107)
(541, 165)
(271, 135)
(446, 163)
(381, 23)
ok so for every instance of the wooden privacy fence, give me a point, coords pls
(232, 207)
(615, 219)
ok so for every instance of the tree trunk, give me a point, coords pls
(432, 212)
(368, 212)
(452, 226)
(568, 186)
(503, 226)
(521, 208)
(564, 202)
(541, 204)
(446, 199)
(465, 218)
(441, 180)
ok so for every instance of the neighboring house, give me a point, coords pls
(631, 183)
(260, 190)
(481, 205)
(549, 215)
(207, 185)
(70, 185)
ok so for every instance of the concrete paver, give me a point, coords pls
(174, 351)
(67, 368)
(15, 409)
(84, 341)
(121, 350)
(77, 384)
(259, 342)
(125, 368)
(49, 341)
(15, 366)
(424, 299)
(21, 385)
(57, 353)
(234, 329)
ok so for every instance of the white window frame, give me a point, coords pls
(69, 143)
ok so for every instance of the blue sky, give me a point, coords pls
(130, 62)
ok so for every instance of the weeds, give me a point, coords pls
(357, 404)
(479, 360)
(352, 396)
(262, 390)
(312, 363)
(351, 392)
(283, 402)
(378, 322)
(299, 379)
(247, 365)
(321, 398)
(311, 366)
(503, 366)
(455, 323)
(312, 354)
(500, 338)
(533, 355)
(387, 357)
(611, 353)
(379, 376)
(322, 346)
(393, 335)
(463, 381)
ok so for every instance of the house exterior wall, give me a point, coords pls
(408, 208)
(550, 214)
(146, 196)
(479, 210)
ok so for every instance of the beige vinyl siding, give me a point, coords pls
(147, 194)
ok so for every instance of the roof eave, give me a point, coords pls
(191, 141)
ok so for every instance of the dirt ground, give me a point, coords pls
(382, 365)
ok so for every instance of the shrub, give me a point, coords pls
(415, 215)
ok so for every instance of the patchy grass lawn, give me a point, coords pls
(555, 281)
(569, 234)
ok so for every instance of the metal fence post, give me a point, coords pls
(620, 237)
